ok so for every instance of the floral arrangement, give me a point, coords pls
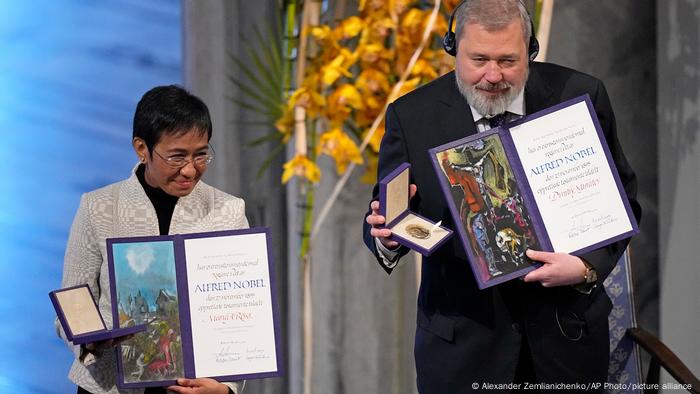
(352, 69)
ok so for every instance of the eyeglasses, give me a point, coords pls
(178, 161)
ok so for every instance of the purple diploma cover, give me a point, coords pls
(207, 300)
(544, 182)
(407, 228)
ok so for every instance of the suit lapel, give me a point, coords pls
(538, 93)
(136, 214)
(192, 212)
(456, 119)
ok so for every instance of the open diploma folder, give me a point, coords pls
(546, 182)
(407, 228)
(81, 319)
(208, 300)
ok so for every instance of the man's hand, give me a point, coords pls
(376, 221)
(198, 386)
(558, 269)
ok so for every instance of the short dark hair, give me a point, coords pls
(169, 110)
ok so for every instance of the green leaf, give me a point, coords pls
(254, 81)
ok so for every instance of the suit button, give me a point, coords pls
(517, 328)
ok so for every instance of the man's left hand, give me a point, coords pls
(198, 386)
(558, 269)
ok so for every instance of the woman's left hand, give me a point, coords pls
(198, 386)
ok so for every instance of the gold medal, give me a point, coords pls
(418, 231)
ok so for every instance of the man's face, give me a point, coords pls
(492, 66)
(159, 173)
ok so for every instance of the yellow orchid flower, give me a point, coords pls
(321, 32)
(374, 105)
(398, 7)
(371, 6)
(349, 28)
(305, 97)
(346, 95)
(381, 28)
(370, 53)
(301, 166)
(341, 102)
(413, 21)
(334, 70)
(424, 69)
(409, 85)
(336, 144)
(285, 124)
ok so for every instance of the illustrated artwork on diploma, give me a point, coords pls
(490, 204)
(147, 294)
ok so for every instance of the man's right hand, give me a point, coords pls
(376, 220)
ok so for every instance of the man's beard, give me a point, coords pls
(485, 104)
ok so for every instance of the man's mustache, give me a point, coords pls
(493, 86)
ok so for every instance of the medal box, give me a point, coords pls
(81, 319)
(408, 228)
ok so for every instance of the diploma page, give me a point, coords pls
(571, 179)
(231, 306)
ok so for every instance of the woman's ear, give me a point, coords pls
(141, 149)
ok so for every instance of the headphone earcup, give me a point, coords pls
(534, 47)
(449, 43)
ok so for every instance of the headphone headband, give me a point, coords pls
(449, 41)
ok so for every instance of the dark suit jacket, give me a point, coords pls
(467, 335)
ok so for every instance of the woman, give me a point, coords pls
(164, 195)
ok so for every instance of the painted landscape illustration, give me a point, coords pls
(147, 294)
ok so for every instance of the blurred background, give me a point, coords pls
(71, 72)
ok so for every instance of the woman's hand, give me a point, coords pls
(198, 386)
(99, 346)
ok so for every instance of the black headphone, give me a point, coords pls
(449, 42)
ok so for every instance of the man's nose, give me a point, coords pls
(493, 72)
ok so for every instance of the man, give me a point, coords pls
(550, 327)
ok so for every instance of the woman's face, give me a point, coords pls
(160, 173)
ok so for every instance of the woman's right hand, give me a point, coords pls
(99, 346)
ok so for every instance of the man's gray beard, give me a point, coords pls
(486, 105)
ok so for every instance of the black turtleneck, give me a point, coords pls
(163, 202)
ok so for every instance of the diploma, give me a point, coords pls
(230, 305)
(207, 300)
(546, 181)
(572, 178)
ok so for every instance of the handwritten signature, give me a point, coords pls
(578, 229)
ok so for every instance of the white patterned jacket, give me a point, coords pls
(122, 209)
